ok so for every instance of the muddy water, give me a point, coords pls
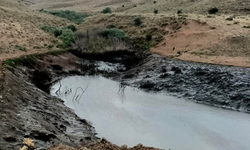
(131, 116)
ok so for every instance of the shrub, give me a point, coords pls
(137, 21)
(114, 32)
(70, 15)
(179, 11)
(107, 10)
(156, 11)
(72, 27)
(154, 2)
(51, 29)
(213, 10)
(99, 40)
(68, 37)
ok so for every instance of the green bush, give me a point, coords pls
(72, 27)
(107, 10)
(137, 21)
(51, 29)
(113, 32)
(70, 15)
(213, 10)
(68, 37)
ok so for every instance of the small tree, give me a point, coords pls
(137, 21)
(107, 10)
(213, 10)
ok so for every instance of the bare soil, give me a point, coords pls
(103, 145)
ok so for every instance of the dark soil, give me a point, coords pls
(28, 110)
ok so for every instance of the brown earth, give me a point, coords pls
(209, 40)
(103, 145)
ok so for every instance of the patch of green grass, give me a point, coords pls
(73, 16)
(25, 60)
(31, 59)
(21, 48)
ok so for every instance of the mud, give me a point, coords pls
(27, 110)
(221, 86)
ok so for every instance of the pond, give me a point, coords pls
(127, 115)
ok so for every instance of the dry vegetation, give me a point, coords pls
(150, 25)
(20, 30)
(194, 6)
(82, 5)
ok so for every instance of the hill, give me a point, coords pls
(20, 30)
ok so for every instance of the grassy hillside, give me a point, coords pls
(20, 29)
(83, 5)
(194, 6)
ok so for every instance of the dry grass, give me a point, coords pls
(194, 6)
(82, 5)
(20, 29)
(151, 25)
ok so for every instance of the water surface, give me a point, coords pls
(131, 116)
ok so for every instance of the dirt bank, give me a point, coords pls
(28, 112)
(103, 145)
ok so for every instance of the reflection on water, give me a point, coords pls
(125, 115)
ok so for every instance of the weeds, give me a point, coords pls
(21, 48)
(30, 59)
(99, 40)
